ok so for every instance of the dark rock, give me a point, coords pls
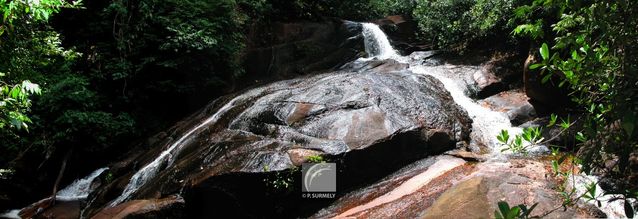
(522, 114)
(555, 135)
(401, 32)
(47, 209)
(36, 208)
(62, 210)
(284, 50)
(170, 207)
(15, 193)
(371, 122)
(546, 96)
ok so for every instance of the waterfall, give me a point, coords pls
(11, 214)
(167, 157)
(77, 190)
(80, 188)
(377, 43)
(486, 123)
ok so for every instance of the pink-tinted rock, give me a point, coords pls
(150, 208)
(515, 182)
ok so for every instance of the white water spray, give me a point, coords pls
(77, 190)
(80, 188)
(376, 43)
(11, 214)
(487, 124)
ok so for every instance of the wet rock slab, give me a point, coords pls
(170, 207)
(459, 189)
(518, 181)
(403, 194)
(372, 122)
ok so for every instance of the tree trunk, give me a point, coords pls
(57, 180)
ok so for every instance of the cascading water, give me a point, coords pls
(80, 188)
(11, 214)
(376, 43)
(166, 158)
(486, 124)
(77, 190)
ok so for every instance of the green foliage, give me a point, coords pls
(530, 137)
(109, 177)
(68, 110)
(27, 50)
(516, 212)
(127, 68)
(393, 7)
(15, 102)
(171, 35)
(453, 24)
(281, 180)
(34, 11)
(589, 47)
(315, 159)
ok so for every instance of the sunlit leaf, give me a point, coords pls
(544, 50)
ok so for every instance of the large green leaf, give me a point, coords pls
(504, 208)
(544, 51)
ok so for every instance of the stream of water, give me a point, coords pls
(77, 190)
(80, 188)
(167, 157)
(376, 46)
(487, 124)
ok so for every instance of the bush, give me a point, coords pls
(392, 7)
(454, 24)
(590, 47)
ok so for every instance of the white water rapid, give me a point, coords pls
(487, 124)
(77, 190)
(167, 156)
(80, 188)
(11, 214)
(376, 43)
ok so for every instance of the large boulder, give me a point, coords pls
(514, 103)
(284, 50)
(402, 31)
(371, 123)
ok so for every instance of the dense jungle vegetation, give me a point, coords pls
(92, 78)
